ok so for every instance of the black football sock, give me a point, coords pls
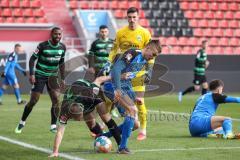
(97, 129)
(54, 114)
(188, 90)
(114, 130)
(26, 112)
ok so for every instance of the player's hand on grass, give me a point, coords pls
(32, 79)
(52, 155)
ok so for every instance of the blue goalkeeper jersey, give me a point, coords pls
(12, 63)
(132, 61)
(207, 104)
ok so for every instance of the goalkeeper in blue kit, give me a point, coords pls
(204, 122)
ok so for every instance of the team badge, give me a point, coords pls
(128, 57)
(36, 51)
(139, 38)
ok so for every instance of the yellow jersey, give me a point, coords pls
(127, 39)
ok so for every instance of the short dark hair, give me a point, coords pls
(155, 43)
(55, 28)
(132, 10)
(214, 84)
(103, 27)
(17, 45)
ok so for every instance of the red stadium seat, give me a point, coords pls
(176, 50)
(187, 50)
(184, 5)
(233, 6)
(36, 4)
(198, 32)
(194, 6)
(182, 41)
(228, 50)
(214, 6)
(229, 15)
(209, 15)
(38, 13)
(83, 4)
(203, 23)
(165, 49)
(144, 22)
(189, 14)
(171, 41)
(4, 3)
(94, 5)
(141, 14)
(114, 4)
(30, 20)
(7, 12)
(15, 3)
(237, 15)
(213, 23)
(193, 41)
(204, 6)
(17, 12)
(218, 50)
(223, 6)
(19, 20)
(1, 20)
(228, 32)
(233, 24)
(207, 32)
(25, 3)
(198, 15)
(42, 20)
(218, 15)
(218, 33)
(234, 42)
(73, 4)
(119, 13)
(9, 20)
(163, 40)
(193, 23)
(103, 4)
(28, 12)
(237, 33)
(123, 5)
(134, 4)
(213, 41)
(223, 24)
(236, 50)
(223, 42)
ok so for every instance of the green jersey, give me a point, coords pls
(99, 53)
(49, 58)
(200, 62)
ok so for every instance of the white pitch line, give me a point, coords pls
(186, 114)
(41, 149)
(185, 149)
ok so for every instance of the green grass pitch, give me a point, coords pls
(168, 136)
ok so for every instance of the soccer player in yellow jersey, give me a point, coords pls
(134, 36)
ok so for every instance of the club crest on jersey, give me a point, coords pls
(10, 58)
(128, 57)
(60, 52)
(36, 51)
(139, 38)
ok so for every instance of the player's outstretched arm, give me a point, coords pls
(230, 99)
(58, 140)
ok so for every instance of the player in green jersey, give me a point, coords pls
(201, 63)
(50, 61)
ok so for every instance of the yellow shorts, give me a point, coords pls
(138, 84)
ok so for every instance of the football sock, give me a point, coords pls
(188, 90)
(204, 91)
(142, 114)
(17, 94)
(109, 134)
(126, 131)
(54, 114)
(26, 112)
(96, 129)
(227, 126)
(114, 130)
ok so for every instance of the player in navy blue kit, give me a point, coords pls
(10, 78)
(203, 121)
(120, 91)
